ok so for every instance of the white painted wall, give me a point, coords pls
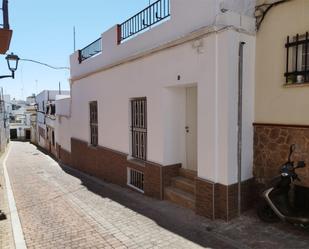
(40, 140)
(174, 119)
(63, 129)
(42, 99)
(213, 69)
(210, 63)
(63, 106)
(228, 106)
(63, 132)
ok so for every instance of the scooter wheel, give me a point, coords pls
(265, 213)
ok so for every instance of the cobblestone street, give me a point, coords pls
(61, 208)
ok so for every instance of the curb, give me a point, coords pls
(15, 221)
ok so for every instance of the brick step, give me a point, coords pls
(190, 174)
(179, 197)
(184, 184)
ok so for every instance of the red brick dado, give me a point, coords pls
(218, 201)
(212, 200)
(63, 155)
(204, 198)
(153, 180)
(97, 161)
(167, 174)
(111, 166)
(271, 148)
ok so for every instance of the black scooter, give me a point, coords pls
(276, 203)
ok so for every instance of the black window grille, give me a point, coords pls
(139, 128)
(136, 179)
(93, 123)
(297, 59)
(90, 50)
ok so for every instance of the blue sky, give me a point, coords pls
(43, 31)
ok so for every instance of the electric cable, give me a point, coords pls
(45, 64)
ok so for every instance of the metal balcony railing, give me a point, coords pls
(154, 13)
(5, 15)
(90, 50)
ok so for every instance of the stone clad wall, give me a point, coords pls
(271, 148)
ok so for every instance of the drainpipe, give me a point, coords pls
(239, 123)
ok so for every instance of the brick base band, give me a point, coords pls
(213, 200)
(111, 166)
(63, 155)
(271, 148)
(218, 201)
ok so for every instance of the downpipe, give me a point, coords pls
(239, 122)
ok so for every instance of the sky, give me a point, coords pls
(43, 31)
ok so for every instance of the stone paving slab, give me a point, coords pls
(6, 234)
(62, 208)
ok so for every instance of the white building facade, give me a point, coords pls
(18, 113)
(162, 105)
(45, 119)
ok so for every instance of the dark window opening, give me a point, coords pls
(52, 109)
(28, 134)
(53, 138)
(93, 123)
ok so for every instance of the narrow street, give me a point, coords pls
(61, 208)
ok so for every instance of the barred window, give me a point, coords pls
(93, 123)
(139, 128)
(297, 59)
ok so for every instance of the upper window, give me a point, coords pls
(297, 59)
(93, 123)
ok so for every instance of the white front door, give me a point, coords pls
(191, 128)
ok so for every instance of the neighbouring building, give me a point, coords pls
(4, 138)
(19, 113)
(45, 119)
(154, 105)
(5, 40)
(282, 89)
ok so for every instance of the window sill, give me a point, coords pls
(291, 85)
(93, 147)
(136, 162)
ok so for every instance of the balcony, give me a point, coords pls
(5, 32)
(148, 17)
(91, 50)
(145, 19)
(160, 24)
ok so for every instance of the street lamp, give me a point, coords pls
(12, 60)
